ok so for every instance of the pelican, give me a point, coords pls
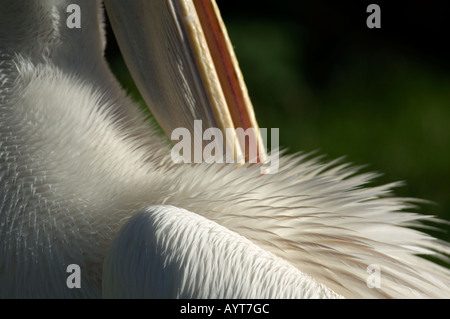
(86, 180)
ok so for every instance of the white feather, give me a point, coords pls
(78, 161)
(184, 255)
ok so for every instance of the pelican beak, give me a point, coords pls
(182, 61)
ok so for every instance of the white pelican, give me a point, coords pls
(85, 180)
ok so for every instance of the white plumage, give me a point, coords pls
(212, 262)
(78, 161)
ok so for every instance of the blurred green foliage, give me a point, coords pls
(375, 96)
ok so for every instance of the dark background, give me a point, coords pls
(380, 97)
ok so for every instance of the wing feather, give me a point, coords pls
(169, 252)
